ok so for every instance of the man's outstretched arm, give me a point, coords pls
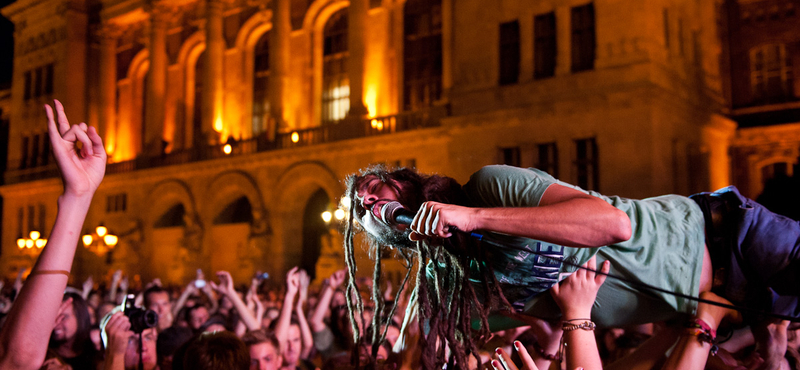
(564, 216)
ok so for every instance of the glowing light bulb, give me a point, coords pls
(87, 240)
(326, 216)
(339, 214)
(101, 231)
(35, 235)
(226, 149)
(110, 240)
(21, 243)
(295, 137)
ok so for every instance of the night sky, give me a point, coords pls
(6, 48)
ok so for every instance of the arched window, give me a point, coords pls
(261, 85)
(771, 78)
(422, 53)
(335, 84)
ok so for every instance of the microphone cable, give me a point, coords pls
(637, 284)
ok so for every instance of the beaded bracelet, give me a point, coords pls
(704, 334)
(586, 325)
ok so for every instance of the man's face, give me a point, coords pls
(159, 302)
(66, 326)
(294, 346)
(198, 317)
(373, 194)
(264, 356)
(148, 350)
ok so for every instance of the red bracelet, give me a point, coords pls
(704, 334)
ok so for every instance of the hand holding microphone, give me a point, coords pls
(433, 219)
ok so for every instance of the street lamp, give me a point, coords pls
(340, 213)
(34, 240)
(100, 241)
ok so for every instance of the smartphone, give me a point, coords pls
(262, 276)
(199, 283)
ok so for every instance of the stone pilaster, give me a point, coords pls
(108, 36)
(156, 79)
(278, 63)
(357, 14)
(213, 70)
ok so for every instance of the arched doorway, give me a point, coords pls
(314, 229)
(230, 239)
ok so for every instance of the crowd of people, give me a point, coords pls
(330, 323)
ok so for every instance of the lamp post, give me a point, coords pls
(340, 213)
(26, 245)
(100, 241)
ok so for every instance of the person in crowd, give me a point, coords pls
(156, 298)
(291, 327)
(264, 350)
(196, 316)
(220, 350)
(168, 342)
(123, 350)
(657, 241)
(70, 338)
(23, 340)
(331, 340)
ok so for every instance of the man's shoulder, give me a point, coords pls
(507, 186)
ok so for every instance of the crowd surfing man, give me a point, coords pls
(659, 241)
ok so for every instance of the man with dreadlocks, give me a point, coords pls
(530, 216)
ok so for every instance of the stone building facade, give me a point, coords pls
(230, 124)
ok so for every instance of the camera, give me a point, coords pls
(140, 319)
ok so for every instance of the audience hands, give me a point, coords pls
(225, 286)
(82, 166)
(502, 360)
(577, 293)
(337, 279)
(118, 332)
(88, 285)
(292, 282)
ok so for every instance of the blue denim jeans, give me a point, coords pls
(758, 250)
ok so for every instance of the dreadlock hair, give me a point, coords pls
(445, 298)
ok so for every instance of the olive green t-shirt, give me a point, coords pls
(665, 250)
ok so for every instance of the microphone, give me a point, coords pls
(393, 213)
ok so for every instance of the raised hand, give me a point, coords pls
(337, 279)
(124, 284)
(225, 286)
(82, 166)
(304, 280)
(502, 360)
(292, 281)
(576, 294)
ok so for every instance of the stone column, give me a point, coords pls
(212, 70)
(278, 63)
(357, 17)
(108, 35)
(156, 80)
(448, 24)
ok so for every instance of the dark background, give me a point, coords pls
(6, 48)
